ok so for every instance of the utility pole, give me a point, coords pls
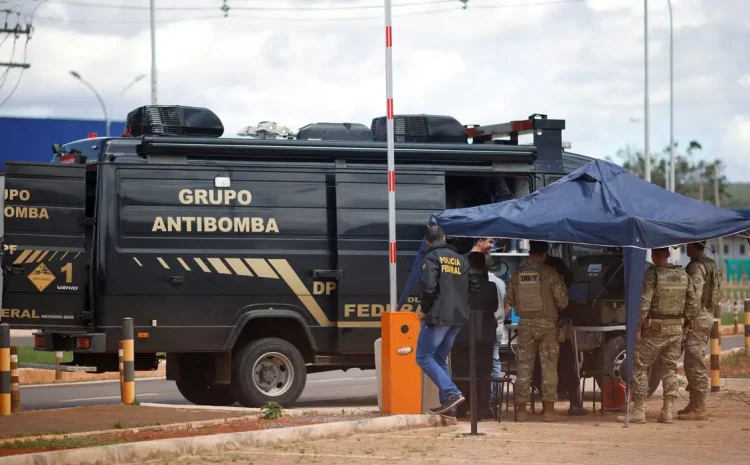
(671, 101)
(153, 53)
(17, 31)
(718, 204)
(647, 147)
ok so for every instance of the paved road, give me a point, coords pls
(336, 388)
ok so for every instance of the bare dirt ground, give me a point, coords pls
(591, 440)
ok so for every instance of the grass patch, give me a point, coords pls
(29, 355)
(735, 365)
(727, 319)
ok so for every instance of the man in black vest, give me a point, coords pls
(447, 283)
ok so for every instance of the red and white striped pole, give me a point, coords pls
(391, 154)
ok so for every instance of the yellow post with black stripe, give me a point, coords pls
(716, 351)
(127, 387)
(5, 403)
(15, 391)
(747, 327)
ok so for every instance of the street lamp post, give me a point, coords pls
(647, 148)
(671, 101)
(153, 51)
(101, 101)
(137, 78)
(98, 97)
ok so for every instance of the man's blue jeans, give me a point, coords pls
(497, 372)
(433, 347)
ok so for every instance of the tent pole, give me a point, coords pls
(627, 405)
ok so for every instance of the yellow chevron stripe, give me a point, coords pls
(41, 257)
(64, 255)
(33, 256)
(202, 265)
(261, 268)
(184, 265)
(138, 262)
(53, 255)
(22, 257)
(219, 265)
(358, 324)
(298, 287)
(238, 267)
(163, 263)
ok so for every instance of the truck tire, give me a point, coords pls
(268, 370)
(202, 393)
(611, 359)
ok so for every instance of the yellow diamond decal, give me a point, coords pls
(41, 277)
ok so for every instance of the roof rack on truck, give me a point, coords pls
(547, 136)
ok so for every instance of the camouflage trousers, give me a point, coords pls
(695, 352)
(537, 336)
(665, 346)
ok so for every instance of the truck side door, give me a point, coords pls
(45, 245)
(362, 230)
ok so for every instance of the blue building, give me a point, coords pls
(31, 139)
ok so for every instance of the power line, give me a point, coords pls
(20, 75)
(17, 32)
(320, 18)
(244, 8)
(127, 21)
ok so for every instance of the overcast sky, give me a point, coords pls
(581, 61)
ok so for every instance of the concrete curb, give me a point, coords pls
(139, 429)
(287, 412)
(179, 447)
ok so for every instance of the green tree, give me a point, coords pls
(692, 178)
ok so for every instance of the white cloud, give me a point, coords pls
(582, 62)
(735, 146)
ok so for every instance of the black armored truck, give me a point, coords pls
(251, 262)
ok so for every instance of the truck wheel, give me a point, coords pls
(611, 359)
(202, 393)
(268, 370)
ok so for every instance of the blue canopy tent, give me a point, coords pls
(598, 204)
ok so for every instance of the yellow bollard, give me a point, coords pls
(127, 388)
(716, 351)
(736, 321)
(119, 361)
(5, 403)
(15, 391)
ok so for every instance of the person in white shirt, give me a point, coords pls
(501, 334)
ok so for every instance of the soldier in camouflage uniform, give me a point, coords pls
(537, 293)
(668, 297)
(702, 270)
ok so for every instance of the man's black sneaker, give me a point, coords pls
(576, 411)
(451, 414)
(448, 404)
